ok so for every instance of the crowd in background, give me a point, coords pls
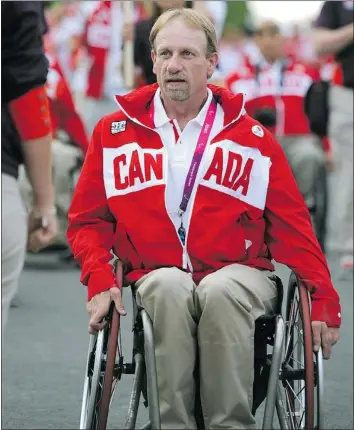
(85, 41)
(69, 22)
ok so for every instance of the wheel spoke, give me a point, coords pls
(296, 395)
(294, 413)
(114, 385)
(301, 365)
(290, 414)
(292, 323)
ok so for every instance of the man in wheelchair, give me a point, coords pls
(197, 198)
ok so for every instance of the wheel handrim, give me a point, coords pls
(95, 383)
(298, 364)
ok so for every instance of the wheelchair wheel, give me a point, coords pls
(103, 369)
(93, 382)
(299, 372)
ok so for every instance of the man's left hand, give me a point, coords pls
(324, 337)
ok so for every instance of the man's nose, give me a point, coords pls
(174, 64)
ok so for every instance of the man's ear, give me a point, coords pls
(153, 57)
(212, 63)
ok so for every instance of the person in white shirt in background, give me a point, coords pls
(67, 21)
(216, 12)
(237, 47)
(231, 52)
(99, 76)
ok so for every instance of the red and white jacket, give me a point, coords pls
(63, 113)
(102, 42)
(245, 206)
(282, 87)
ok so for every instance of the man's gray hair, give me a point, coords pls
(192, 19)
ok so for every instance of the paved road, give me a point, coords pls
(45, 346)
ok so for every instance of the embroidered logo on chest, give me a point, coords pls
(258, 131)
(118, 126)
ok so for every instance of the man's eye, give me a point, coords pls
(163, 54)
(187, 53)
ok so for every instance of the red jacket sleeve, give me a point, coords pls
(91, 225)
(292, 242)
(327, 147)
(69, 119)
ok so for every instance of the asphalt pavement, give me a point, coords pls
(45, 345)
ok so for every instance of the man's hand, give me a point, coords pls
(329, 160)
(40, 236)
(98, 308)
(128, 32)
(324, 337)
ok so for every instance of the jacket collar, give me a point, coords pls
(137, 104)
(160, 115)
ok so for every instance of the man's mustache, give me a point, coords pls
(175, 78)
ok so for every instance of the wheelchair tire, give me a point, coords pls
(109, 377)
(298, 369)
(102, 361)
(104, 367)
(92, 386)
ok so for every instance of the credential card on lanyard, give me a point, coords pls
(197, 156)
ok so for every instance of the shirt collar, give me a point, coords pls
(161, 118)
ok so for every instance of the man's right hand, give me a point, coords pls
(324, 337)
(41, 236)
(98, 308)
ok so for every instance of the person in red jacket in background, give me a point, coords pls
(196, 198)
(275, 90)
(100, 75)
(62, 108)
(63, 112)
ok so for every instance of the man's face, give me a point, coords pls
(270, 42)
(180, 59)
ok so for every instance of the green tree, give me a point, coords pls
(237, 14)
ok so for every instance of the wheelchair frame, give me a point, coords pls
(275, 377)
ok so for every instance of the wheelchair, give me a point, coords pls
(288, 376)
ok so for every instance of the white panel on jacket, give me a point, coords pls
(238, 171)
(131, 168)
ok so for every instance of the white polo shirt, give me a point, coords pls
(180, 153)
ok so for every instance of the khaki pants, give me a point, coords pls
(13, 241)
(305, 156)
(341, 135)
(220, 315)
